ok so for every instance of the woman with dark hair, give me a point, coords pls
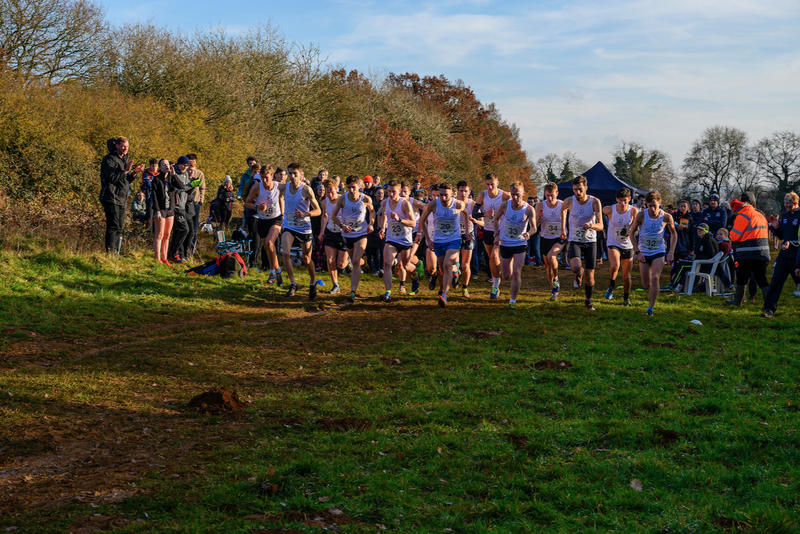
(163, 199)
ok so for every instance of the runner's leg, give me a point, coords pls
(287, 239)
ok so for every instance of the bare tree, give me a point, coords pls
(713, 160)
(54, 40)
(777, 159)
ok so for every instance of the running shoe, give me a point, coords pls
(626, 302)
(167, 263)
(465, 292)
(414, 285)
(312, 291)
(495, 293)
(578, 280)
(512, 305)
(556, 285)
(767, 313)
(442, 300)
(271, 278)
(292, 290)
(554, 296)
(335, 289)
(279, 279)
(432, 281)
(403, 289)
(609, 295)
(588, 305)
(386, 297)
(649, 311)
(352, 298)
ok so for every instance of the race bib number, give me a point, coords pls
(650, 243)
(445, 227)
(580, 234)
(552, 228)
(396, 228)
(620, 234)
(513, 231)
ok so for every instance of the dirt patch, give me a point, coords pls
(728, 523)
(342, 424)
(483, 334)
(97, 523)
(218, 400)
(665, 436)
(559, 365)
(391, 361)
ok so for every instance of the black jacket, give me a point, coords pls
(706, 247)
(163, 195)
(115, 182)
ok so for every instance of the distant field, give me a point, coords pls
(400, 417)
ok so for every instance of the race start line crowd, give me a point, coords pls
(399, 230)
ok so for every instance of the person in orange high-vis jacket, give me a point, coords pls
(750, 239)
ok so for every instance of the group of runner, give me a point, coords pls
(440, 234)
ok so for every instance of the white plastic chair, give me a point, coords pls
(709, 277)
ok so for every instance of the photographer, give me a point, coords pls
(115, 188)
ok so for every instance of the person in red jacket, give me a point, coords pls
(750, 238)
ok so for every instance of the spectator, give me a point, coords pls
(139, 208)
(317, 248)
(374, 251)
(322, 175)
(376, 181)
(181, 236)
(148, 176)
(705, 247)
(368, 186)
(534, 243)
(697, 213)
(715, 216)
(196, 199)
(247, 176)
(727, 266)
(115, 188)
(163, 206)
(685, 227)
(222, 206)
(750, 239)
(786, 229)
(245, 182)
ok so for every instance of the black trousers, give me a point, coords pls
(193, 209)
(756, 268)
(181, 235)
(784, 267)
(115, 222)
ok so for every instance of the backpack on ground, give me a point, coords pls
(231, 264)
(209, 268)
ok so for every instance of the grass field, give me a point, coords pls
(400, 417)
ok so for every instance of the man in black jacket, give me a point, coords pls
(115, 188)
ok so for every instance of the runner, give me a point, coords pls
(548, 214)
(299, 205)
(330, 235)
(397, 223)
(585, 219)
(444, 239)
(514, 222)
(354, 213)
(265, 198)
(489, 201)
(620, 246)
(651, 245)
(431, 261)
(415, 254)
(468, 223)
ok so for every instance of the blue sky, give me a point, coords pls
(576, 76)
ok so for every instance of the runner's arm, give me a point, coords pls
(312, 200)
(533, 222)
(250, 200)
(598, 215)
(423, 219)
(564, 207)
(498, 214)
(673, 236)
(408, 212)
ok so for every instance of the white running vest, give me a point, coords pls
(295, 201)
(397, 232)
(354, 214)
(580, 214)
(491, 204)
(332, 225)
(271, 198)
(651, 235)
(616, 223)
(513, 225)
(445, 226)
(550, 225)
